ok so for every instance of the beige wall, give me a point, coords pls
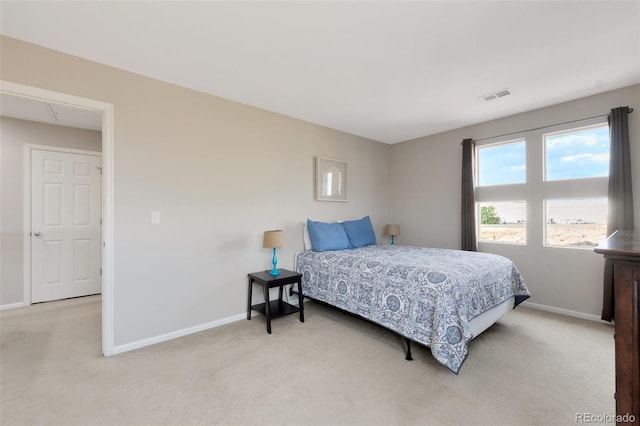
(14, 134)
(425, 187)
(219, 172)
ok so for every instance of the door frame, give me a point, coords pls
(49, 96)
(26, 203)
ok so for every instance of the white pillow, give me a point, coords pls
(305, 238)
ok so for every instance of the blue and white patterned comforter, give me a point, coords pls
(428, 295)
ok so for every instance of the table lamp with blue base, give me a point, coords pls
(392, 231)
(273, 239)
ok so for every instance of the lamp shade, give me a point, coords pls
(273, 239)
(392, 230)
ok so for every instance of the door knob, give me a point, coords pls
(37, 233)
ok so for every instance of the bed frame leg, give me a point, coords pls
(408, 357)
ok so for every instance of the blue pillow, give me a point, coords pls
(327, 236)
(360, 232)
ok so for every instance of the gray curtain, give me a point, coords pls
(468, 224)
(620, 215)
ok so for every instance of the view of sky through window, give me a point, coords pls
(502, 164)
(577, 154)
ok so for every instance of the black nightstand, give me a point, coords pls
(275, 308)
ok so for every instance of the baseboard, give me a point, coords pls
(566, 312)
(174, 334)
(12, 306)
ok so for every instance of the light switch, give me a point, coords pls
(155, 218)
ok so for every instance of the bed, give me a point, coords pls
(437, 297)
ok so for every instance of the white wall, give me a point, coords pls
(220, 173)
(425, 195)
(14, 134)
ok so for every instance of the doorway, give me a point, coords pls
(106, 240)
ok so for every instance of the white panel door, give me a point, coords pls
(65, 225)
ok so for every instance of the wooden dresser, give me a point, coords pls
(622, 248)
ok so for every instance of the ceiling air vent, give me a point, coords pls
(495, 95)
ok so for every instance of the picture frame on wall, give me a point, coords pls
(332, 180)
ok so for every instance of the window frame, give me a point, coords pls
(536, 189)
(546, 221)
(479, 223)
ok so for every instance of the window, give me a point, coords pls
(503, 221)
(577, 154)
(577, 222)
(502, 164)
(558, 178)
(502, 167)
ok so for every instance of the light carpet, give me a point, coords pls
(531, 368)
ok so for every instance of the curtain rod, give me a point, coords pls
(629, 111)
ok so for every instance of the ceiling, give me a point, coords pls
(388, 70)
(61, 115)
